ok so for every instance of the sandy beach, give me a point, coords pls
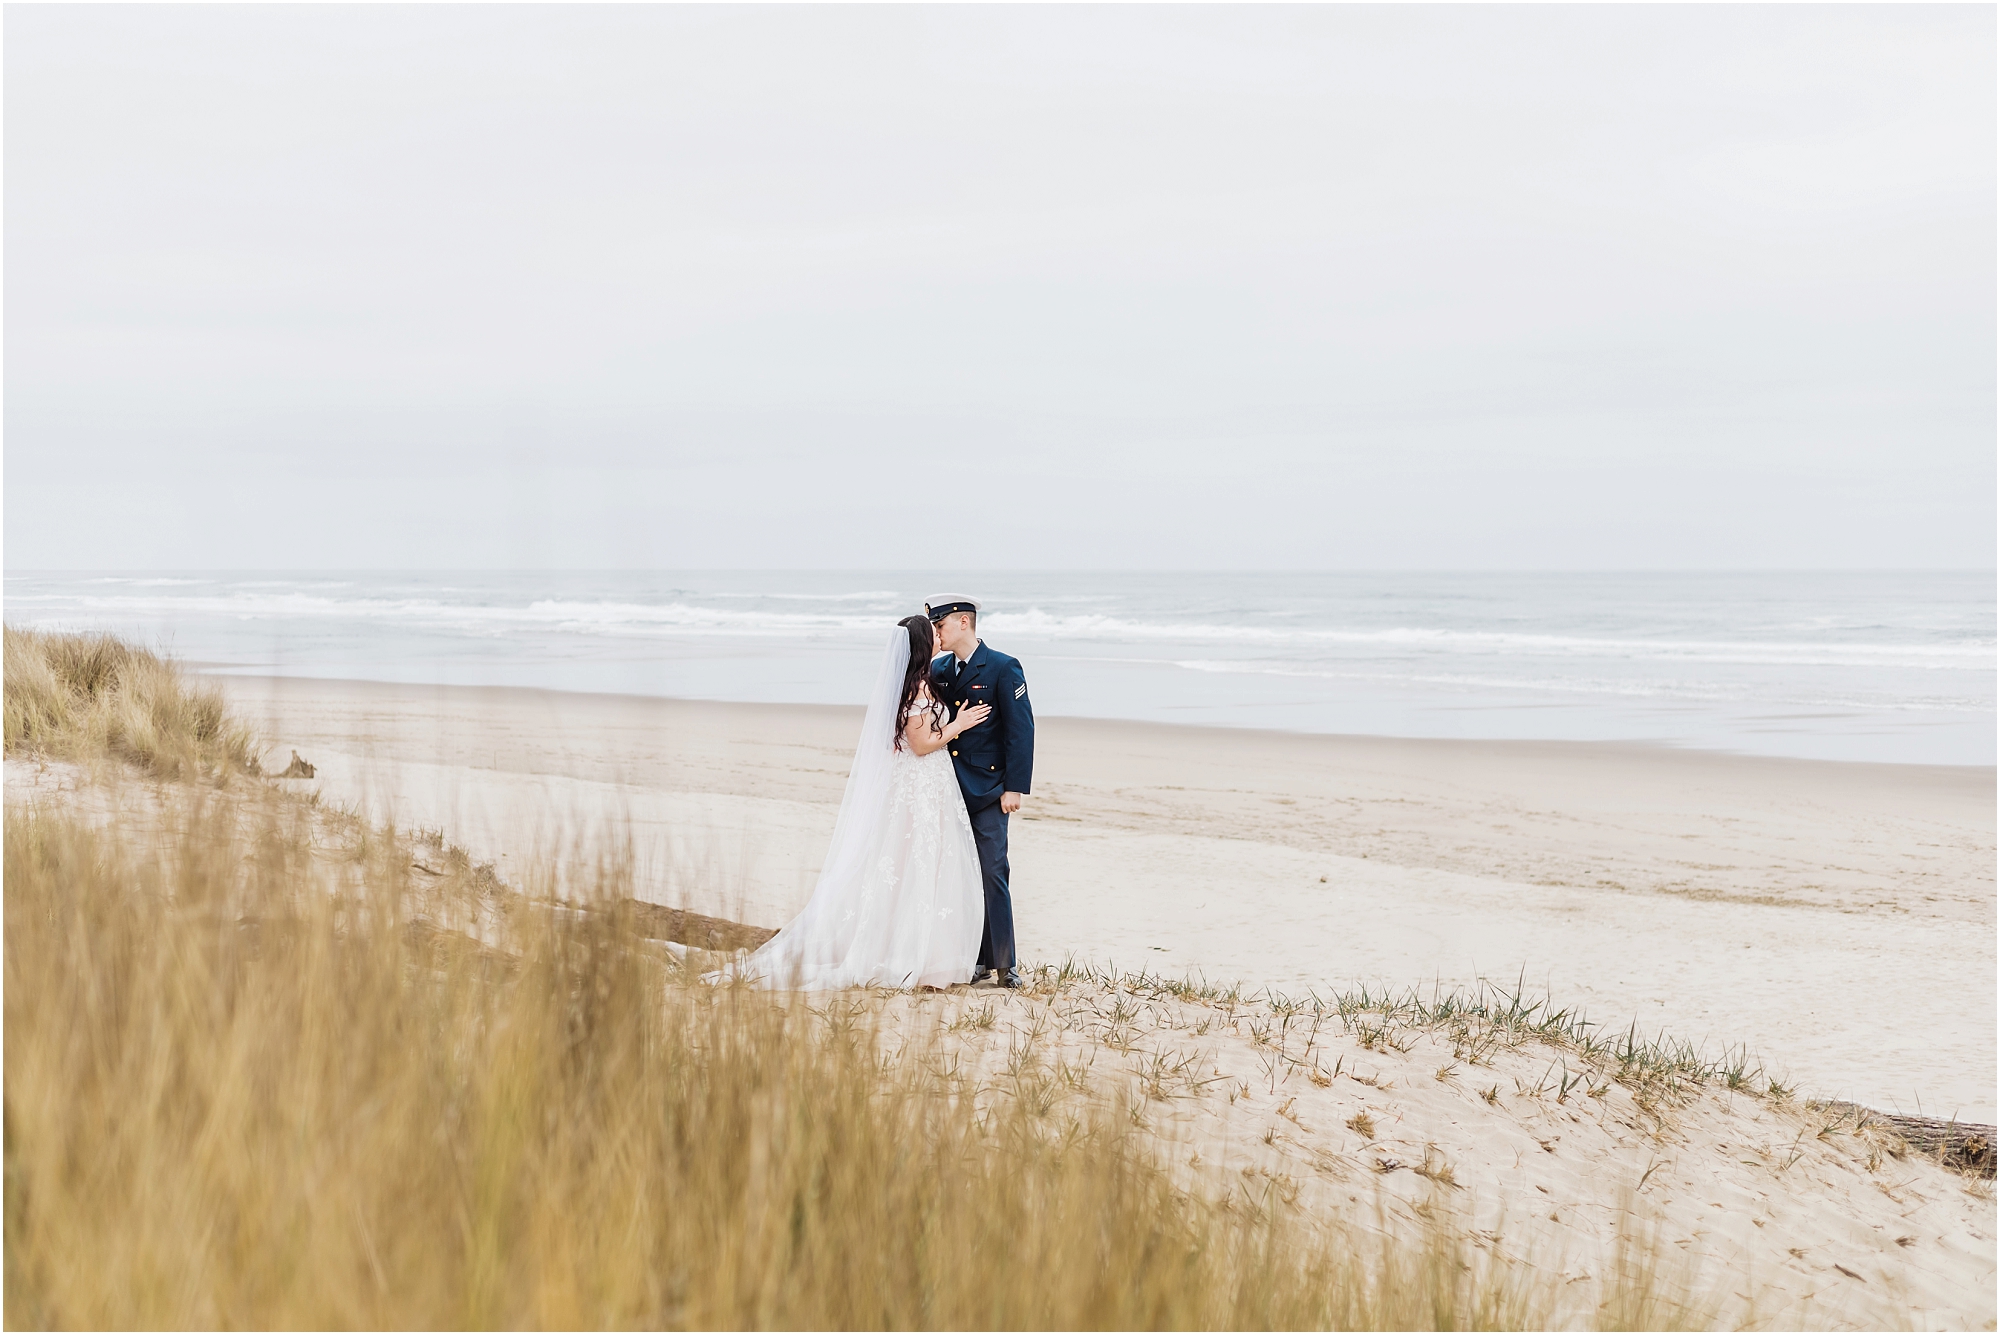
(1838, 919)
(1813, 913)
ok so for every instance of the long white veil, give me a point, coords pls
(868, 778)
(823, 932)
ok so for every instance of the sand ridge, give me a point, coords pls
(1783, 1214)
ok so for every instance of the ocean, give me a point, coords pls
(1896, 667)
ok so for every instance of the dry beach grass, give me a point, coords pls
(268, 1064)
(255, 1083)
(85, 697)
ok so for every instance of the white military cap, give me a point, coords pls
(937, 609)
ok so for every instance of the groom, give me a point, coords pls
(994, 761)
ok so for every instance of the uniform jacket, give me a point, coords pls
(998, 756)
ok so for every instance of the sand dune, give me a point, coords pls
(1776, 1214)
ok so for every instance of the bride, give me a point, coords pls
(899, 901)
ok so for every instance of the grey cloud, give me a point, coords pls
(1290, 286)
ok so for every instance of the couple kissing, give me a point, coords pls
(914, 889)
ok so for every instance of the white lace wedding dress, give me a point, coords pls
(899, 902)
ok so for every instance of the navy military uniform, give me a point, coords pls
(996, 757)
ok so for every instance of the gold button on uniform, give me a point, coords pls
(954, 753)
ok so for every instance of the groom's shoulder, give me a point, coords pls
(1005, 662)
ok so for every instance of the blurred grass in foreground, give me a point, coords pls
(260, 1072)
(82, 697)
(253, 1085)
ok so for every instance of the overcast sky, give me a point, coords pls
(985, 288)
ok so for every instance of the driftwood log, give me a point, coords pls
(695, 929)
(1965, 1146)
(654, 922)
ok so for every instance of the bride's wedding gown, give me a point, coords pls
(899, 902)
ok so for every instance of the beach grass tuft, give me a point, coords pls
(81, 697)
(1477, 1020)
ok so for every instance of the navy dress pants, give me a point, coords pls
(989, 835)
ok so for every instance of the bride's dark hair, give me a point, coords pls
(918, 675)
